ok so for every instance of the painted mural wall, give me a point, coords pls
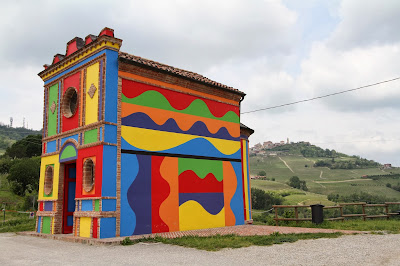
(181, 161)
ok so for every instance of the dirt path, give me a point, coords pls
(342, 181)
(286, 164)
(309, 159)
(345, 250)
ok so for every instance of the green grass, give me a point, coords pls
(16, 222)
(275, 168)
(295, 196)
(389, 226)
(218, 242)
(7, 198)
(269, 185)
(307, 198)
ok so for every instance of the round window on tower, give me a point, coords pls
(70, 102)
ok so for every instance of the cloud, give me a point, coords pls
(367, 23)
(328, 70)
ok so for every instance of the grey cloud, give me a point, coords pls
(366, 23)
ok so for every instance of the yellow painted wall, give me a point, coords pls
(92, 104)
(193, 216)
(44, 162)
(84, 229)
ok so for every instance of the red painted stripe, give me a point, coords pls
(178, 100)
(95, 226)
(189, 182)
(72, 122)
(159, 192)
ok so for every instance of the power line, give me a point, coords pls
(382, 140)
(320, 97)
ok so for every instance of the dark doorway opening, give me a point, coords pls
(69, 197)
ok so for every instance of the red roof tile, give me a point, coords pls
(173, 70)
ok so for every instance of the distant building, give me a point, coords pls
(387, 166)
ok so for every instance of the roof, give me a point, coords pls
(128, 58)
(244, 127)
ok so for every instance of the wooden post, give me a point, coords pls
(363, 211)
(276, 216)
(296, 214)
(387, 211)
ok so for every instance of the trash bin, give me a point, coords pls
(317, 213)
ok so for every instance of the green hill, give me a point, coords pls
(9, 135)
(339, 174)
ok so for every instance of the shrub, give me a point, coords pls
(262, 200)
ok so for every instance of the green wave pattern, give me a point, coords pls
(201, 167)
(155, 99)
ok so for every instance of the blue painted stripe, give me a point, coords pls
(110, 134)
(107, 227)
(109, 205)
(39, 224)
(87, 205)
(111, 87)
(237, 199)
(79, 65)
(75, 137)
(129, 171)
(109, 188)
(51, 146)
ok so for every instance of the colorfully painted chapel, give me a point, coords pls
(132, 146)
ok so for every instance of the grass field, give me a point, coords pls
(7, 198)
(296, 196)
(320, 180)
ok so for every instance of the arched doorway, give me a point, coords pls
(68, 157)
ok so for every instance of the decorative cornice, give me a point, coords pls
(101, 42)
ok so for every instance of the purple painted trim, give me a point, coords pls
(101, 91)
(70, 158)
(59, 107)
(48, 206)
(80, 136)
(45, 113)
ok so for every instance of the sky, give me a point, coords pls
(277, 52)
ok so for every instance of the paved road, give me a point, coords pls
(346, 250)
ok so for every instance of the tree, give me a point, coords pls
(24, 176)
(262, 173)
(26, 147)
(294, 182)
(261, 200)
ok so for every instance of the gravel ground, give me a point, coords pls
(350, 249)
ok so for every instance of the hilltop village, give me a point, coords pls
(263, 149)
